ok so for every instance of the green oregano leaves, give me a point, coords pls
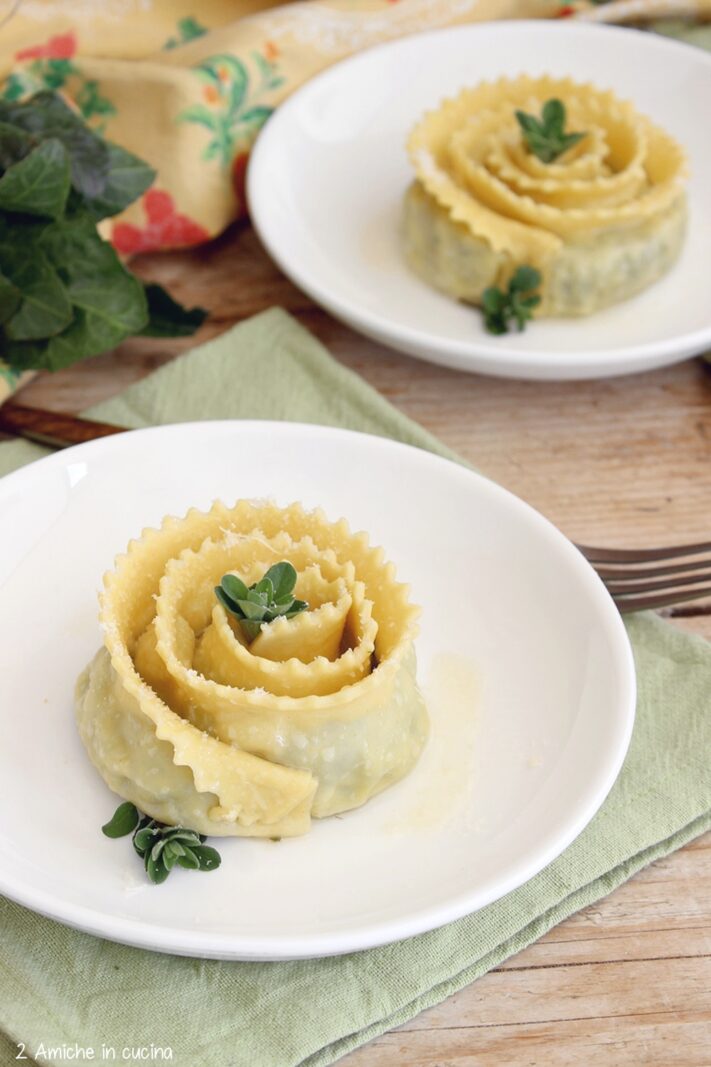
(161, 847)
(266, 600)
(546, 137)
(515, 304)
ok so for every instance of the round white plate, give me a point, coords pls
(329, 170)
(522, 657)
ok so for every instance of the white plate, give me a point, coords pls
(522, 656)
(329, 170)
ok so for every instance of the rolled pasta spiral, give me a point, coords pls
(602, 221)
(198, 726)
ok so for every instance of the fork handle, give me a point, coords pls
(51, 427)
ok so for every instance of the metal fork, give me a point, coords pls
(636, 581)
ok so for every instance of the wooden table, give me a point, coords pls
(619, 462)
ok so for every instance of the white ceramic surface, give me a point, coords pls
(522, 657)
(329, 170)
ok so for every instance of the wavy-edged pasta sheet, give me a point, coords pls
(196, 725)
(469, 157)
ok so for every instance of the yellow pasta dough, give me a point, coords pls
(601, 222)
(199, 726)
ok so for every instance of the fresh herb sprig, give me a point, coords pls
(502, 308)
(64, 293)
(161, 847)
(266, 600)
(546, 137)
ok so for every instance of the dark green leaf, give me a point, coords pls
(234, 587)
(46, 115)
(156, 870)
(45, 307)
(157, 849)
(493, 300)
(189, 860)
(250, 628)
(515, 305)
(208, 858)
(123, 821)
(525, 279)
(15, 143)
(39, 183)
(144, 838)
(9, 298)
(250, 609)
(297, 607)
(126, 179)
(227, 603)
(545, 138)
(528, 123)
(553, 115)
(265, 588)
(170, 855)
(283, 578)
(167, 318)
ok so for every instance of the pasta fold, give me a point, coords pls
(200, 726)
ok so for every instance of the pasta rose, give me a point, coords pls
(244, 727)
(600, 221)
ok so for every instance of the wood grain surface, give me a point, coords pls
(627, 461)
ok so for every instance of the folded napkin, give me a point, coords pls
(58, 985)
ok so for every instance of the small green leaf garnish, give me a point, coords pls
(161, 847)
(123, 821)
(515, 305)
(266, 600)
(546, 137)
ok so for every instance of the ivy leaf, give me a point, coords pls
(14, 145)
(39, 183)
(47, 116)
(45, 308)
(10, 297)
(167, 318)
(123, 821)
(127, 178)
(64, 293)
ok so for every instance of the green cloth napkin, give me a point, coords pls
(57, 985)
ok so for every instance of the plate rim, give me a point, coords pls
(182, 941)
(454, 352)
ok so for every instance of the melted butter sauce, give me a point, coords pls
(444, 773)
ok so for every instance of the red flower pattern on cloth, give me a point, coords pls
(165, 227)
(61, 46)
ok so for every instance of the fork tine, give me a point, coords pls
(620, 586)
(644, 603)
(621, 571)
(641, 555)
